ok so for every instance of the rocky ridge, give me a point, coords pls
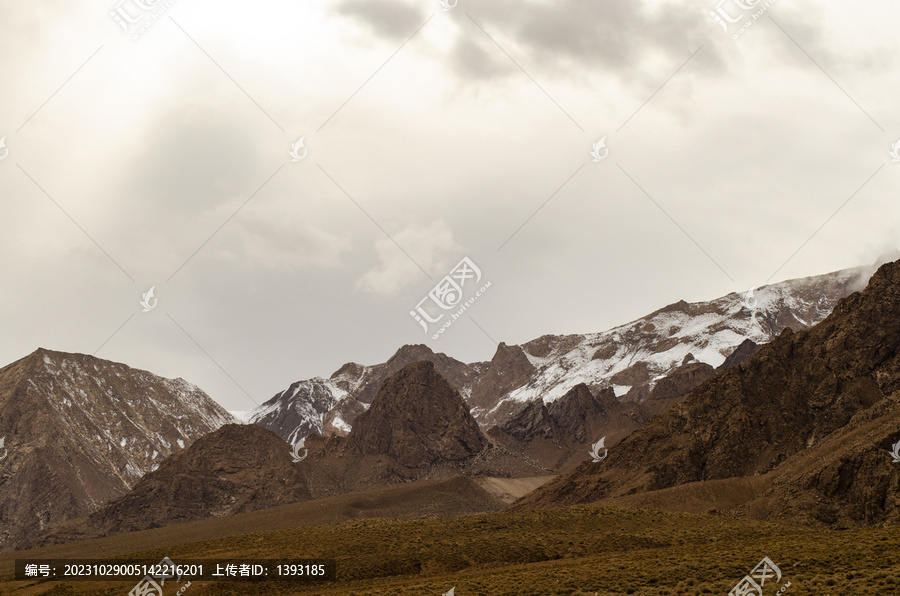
(80, 431)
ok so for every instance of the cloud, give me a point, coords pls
(618, 34)
(390, 19)
(560, 38)
(432, 247)
(283, 242)
(478, 58)
(631, 39)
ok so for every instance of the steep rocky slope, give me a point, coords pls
(813, 412)
(508, 370)
(559, 434)
(419, 419)
(236, 469)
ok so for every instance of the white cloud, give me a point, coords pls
(432, 247)
(285, 241)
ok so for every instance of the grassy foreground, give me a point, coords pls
(574, 551)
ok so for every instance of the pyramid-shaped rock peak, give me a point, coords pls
(418, 418)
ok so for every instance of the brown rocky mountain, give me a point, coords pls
(801, 430)
(559, 435)
(419, 419)
(80, 431)
(236, 469)
(849, 479)
(330, 406)
(418, 426)
(459, 374)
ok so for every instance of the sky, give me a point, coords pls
(294, 179)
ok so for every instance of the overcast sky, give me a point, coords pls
(160, 157)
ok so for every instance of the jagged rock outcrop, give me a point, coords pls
(509, 369)
(418, 419)
(680, 382)
(572, 420)
(559, 434)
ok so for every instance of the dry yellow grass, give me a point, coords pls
(576, 551)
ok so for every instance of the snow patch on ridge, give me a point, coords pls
(621, 390)
(709, 331)
(341, 424)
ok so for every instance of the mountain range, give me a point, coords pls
(630, 359)
(85, 436)
(417, 428)
(795, 430)
(802, 431)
